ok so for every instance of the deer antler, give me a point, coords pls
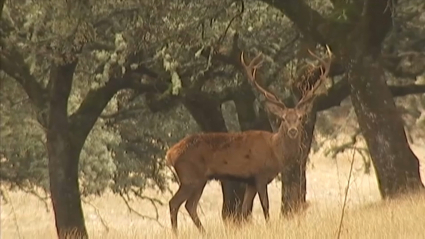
(251, 70)
(325, 68)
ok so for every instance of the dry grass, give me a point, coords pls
(366, 216)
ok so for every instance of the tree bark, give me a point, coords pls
(63, 157)
(397, 167)
(63, 175)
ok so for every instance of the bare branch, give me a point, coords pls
(96, 210)
(132, 210)
(239, 15)
(334, 151)
(38, 196)
(153, 201)
(15, 219)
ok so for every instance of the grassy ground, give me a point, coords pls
(366, 216)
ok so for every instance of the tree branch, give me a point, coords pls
(307, 20)
(132, 210)
(403, 90)
(13, 64)
(83, 119)
(334, 96)
(341, 90)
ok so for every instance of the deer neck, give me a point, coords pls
(286, 148)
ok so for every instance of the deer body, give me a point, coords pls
(225, 155)
(241, 156)
(254, 157)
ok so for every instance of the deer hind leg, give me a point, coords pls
(248, 200)
(192, 205)
(182, 194)
(264, 198)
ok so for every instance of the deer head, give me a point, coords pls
(291, 117)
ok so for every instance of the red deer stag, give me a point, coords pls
(254, 157)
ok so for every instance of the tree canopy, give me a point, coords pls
(134, 77)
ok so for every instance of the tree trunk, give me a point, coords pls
(64, 188)
(207, 114)
(63, 158)
(397, 168)
(233, 193)
(293, 178)
(248, 120)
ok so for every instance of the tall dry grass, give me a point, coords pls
(366, 216)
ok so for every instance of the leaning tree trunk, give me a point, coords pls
(63, 174)
(397, 167)
(207, 114)
(63, 158)
(293, 178)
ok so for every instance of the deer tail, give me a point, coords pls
(169, 162)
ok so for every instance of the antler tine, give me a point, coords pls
(327, 66)
(251, 70)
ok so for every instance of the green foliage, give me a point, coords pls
(22, 149)
(97, 161)
(166, 37)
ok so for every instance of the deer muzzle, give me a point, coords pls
(292, 132)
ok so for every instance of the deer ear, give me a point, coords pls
(275, 109)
